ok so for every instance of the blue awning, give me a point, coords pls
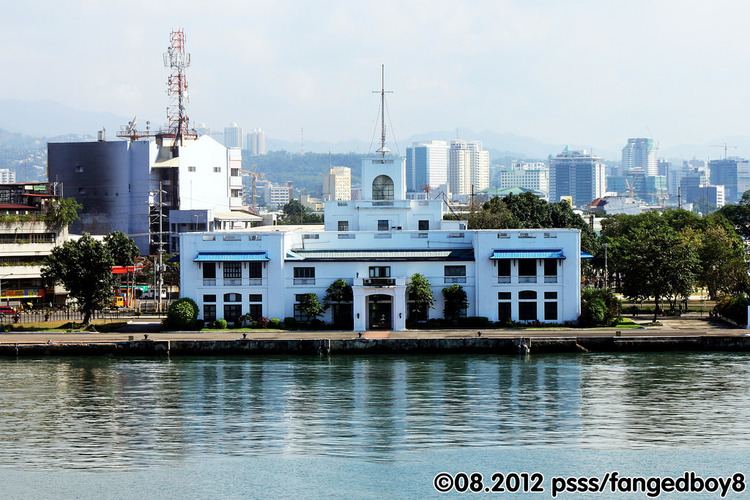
(527, 254)
(586, 255)
(231, 257)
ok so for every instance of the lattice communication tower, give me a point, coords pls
(177, 60)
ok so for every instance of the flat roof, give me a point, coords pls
(455, 254)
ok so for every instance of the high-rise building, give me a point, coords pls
(640, 152)
(468, 167)
(426, 165)
(280, 195)
(233, 136)
(705, 197)
(733, 174)
(7, 176)
(337, 184)
(577, 174)
(534, 176)
(256, 142)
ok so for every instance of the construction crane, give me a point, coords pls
(725, 146)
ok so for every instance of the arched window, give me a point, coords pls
(382, 188)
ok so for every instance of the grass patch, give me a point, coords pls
(101, 325)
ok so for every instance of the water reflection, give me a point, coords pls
(108, 413)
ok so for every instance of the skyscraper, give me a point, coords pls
(426, 165)
(577, 174)
(337, 184)
(468, 166)
(233, 136)
(640, 152)
(256, 142)
(733, 174)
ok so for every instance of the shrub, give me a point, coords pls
(733, 307)
(317, 324)
(290, 323)
(182, 313)
(220, 324)
(274, 323)
(262, 322)
(455, 301)
(474, 322)
(599, 307)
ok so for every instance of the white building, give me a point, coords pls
(118, 182)
(426, 166)
(640, 152)
(234, 169)
(233, 136)
(256, 142)
(337, 184)
(7, 176)
(534, 176)
(468, 166)
(376, 245)
(278, 196)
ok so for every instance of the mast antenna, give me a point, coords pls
(177, 60)
(383, 150)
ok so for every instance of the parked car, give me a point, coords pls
(7, 311)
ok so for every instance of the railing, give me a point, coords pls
(550, 279)
(379, 282)
(209, 281)
(304, 281)
(255, 282)
(232, 281)
(503, 279)
(527, 279)
(454, 279)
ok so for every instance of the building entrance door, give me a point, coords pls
(379, 312)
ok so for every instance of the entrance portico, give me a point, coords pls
(379, 303)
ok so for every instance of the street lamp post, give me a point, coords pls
(606, 269)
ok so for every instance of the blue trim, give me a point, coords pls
(527, 254)
(586, 255)
(231, 257)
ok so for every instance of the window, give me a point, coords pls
(383, 225)
(209, 274)
(382, 188)
(232, 273)
(550, 270)
(209, 312)
(299, 314)
(235, 172)
(527, 305)
(232, 312)
(255, 270)
(455, 274)
(191, 169)
(79, 169)
(527, 270)
(550, 306)
(232, 297)
(424, 225)
(343, 225)
(504, 307)
(209, 298)
(217, 169)
(255, 311)
(255, 297)
(380, 272)
(503, 271)
(304, 275)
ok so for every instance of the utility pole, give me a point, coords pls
(382, 150)
(606, 269)
(679, 198)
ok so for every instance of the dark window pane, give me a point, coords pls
(232, 270)
(527, 295)
(503, 267)
(550, 311)
(503, 295)
(424, 225)
(503, 312)
(209, 270)
(527, 311)
(527, 267)
(255, 297)
(550, 267)
(209, 298)
(209, 312)
(256, 269)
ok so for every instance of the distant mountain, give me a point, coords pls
(499, 144)
(49, 118)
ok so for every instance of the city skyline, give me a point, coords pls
(513, 67)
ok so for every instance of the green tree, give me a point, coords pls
(420, 296)
(84, 268)
(723, 268)
(310, 305)
(455, 302)
(122, 248)
(339, 298)
(599, 307)
(61, 213)
(296, 213)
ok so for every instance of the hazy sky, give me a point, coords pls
(581, 72)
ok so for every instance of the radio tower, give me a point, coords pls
(177, 60)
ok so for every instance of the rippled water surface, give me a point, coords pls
(368, 413)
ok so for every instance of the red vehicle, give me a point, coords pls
(7, 311)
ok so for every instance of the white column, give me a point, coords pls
(399, 307)
(359, 304)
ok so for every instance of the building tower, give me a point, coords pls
(640, 152)
(177, 60)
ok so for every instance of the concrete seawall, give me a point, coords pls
(519, 345)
